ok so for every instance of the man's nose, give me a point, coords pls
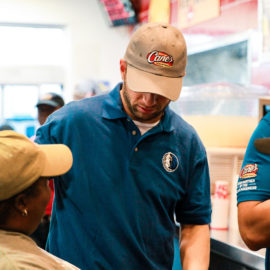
(149, 99)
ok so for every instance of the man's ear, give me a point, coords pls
(123, 68)
(20, 203)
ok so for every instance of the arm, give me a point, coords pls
(195, 247)
(254, 223)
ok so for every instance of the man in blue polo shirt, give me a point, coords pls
(253, 191)
(137, 167)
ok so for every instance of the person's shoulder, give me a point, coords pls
(56, 261)
(267, 117)
(180, 124)
(265, 120)
(262, 130)
(90, 103)
(87, 106)
(185, 132)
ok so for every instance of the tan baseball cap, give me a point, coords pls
(157, 58)
(22, 162)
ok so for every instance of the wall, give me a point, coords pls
(95, 47)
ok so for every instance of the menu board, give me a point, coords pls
(192, 12)
(157, 11)
(119, 12)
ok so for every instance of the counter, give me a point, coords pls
(228, 251)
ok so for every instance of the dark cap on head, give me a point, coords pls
(5, 126)
(51, 99)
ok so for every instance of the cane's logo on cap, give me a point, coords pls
(170, 162)
(160, 59)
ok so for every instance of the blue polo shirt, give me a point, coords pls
(253, 183)
(115, 208)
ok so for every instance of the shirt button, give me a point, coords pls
(136, 149)
(134, 132)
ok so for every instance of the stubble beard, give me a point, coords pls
(137, 115)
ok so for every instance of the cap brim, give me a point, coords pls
(263, 145)
(141, 81)
(58, 159)
(47, 102)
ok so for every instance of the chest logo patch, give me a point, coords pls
(170, 162)
(250, 170)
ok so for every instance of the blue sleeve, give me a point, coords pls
(254, 179)
(61, 125)
(57, 127)
(195, 208)
(43, 134)
(47, 133)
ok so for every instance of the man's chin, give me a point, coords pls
(146, 118)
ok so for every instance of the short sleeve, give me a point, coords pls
(254, 179)
(195, 208)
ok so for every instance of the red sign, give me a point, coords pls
(192, 12)
(119, 11)
(221, 190)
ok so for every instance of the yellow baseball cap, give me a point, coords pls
(157, 58)
(22, 162)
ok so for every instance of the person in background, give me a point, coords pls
(253, 191)
(46, 105)
(25, 169)
(6, 126)
(89, 88)
(137, 167)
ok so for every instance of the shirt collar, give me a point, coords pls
(113, 109)
(166, 121)
(112, 106)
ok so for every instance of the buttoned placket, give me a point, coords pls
(136, 135)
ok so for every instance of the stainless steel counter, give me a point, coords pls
(228, 251)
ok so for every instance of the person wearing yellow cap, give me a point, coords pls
(46, 105)
(25, 169)
(138, 166)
